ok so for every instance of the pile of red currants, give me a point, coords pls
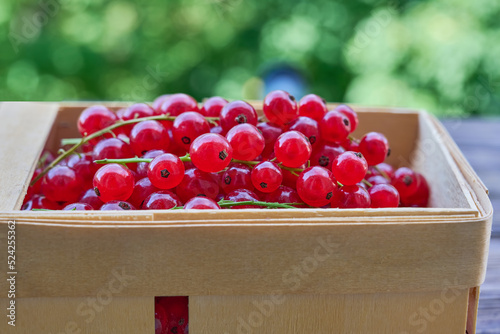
(175, 154)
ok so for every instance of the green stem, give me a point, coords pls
(99, 133)
(70, 141)
(225, 203)
(134, 160)
(249, 163)
(367, 183)
(353, 139)
(384, 174)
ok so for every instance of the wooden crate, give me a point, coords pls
(402, 270)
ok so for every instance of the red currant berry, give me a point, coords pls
(237, 112)
(113, 182)
(61, 184)
(290, 178)
(148, 135)
(270, 132)
(117, 205)
(138, 110)
(161, 200)
(166, 171)
(384, 167)
(237, 176)
(351, 115)
(211, 152)
(142, 167)
(246, 140)
(142, 189)
(312, 106)
(91, 198)
(384, 196)
(315, 186)
(78, 207)
(242, 195)
(84, 168)
(119, 113)
(280, 107)
(406, 181)
(351, 145)
(197, 183)
(176, 104)
(308, 127)
(267, 176)
(377, 179)
(283, 194)
(160, 319)
(420, 198)
(334, 127)
(177, 312)
(95, 118)
(292, 149)
(187, 127)
(40, 202)
(201, 203)
(112, 148)
(159, 101)
(36, 188)
(324, 154)
(351, 197)
(46, 158)
(349, 168)
(217, 129)
(213, 106)
(374, 147)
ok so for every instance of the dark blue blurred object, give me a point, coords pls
(284, 77)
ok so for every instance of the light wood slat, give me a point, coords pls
(438, 312)
(241, 222)
(229, 259)
(245, 214)
(24, 129)
(101, 313)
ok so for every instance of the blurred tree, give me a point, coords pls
(441, 55)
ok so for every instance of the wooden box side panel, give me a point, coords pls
(68, 261)
(23, 132)
(437, 312)
(101, 313)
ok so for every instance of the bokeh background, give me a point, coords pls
(441, 55)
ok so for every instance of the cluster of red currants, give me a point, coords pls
(175, 154)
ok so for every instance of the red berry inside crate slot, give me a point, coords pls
(171, 315)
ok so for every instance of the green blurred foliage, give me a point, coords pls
(442, 55)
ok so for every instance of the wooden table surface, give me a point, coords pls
(479, 140)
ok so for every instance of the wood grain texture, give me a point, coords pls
(432, 312)
(100, 313)
(251, 259)
(23, 132)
